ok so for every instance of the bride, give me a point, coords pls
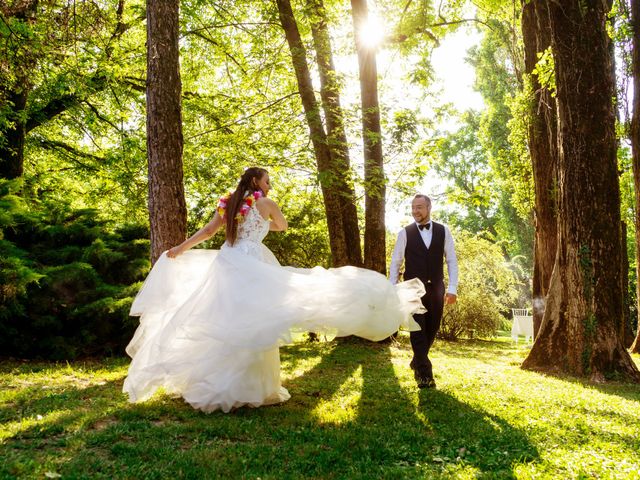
(211, 321)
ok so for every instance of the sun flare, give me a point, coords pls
(372, 32)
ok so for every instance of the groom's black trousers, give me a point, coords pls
(429, 322)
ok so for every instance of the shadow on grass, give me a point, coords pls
(386, 435)
(18, 367)
(45, 400)
(473, 436)
(390, 437)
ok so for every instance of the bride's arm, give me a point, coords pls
(269, 209)
(200, 236)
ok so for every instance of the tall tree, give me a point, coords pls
(581, 324)
(635, 140)
(330, 192)
(374, 180)
(542, 140)
(167, 205)
(69, 46)
(14, 90)
(336, 134)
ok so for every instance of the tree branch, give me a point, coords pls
(139, 87)
(227, 54)
(69, 152)
(242, 119)
(99, 115)
(399, 38)
(225, 25)
(96, 82)
(50, 110)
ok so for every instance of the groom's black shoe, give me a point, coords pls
(424, 381)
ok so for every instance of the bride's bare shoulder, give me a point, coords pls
(266, 202)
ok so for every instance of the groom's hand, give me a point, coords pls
(450, 299)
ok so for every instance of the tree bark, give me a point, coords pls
(167, 206)
(542, 148)
(336, 135)
(635, 144)
(635, 346)
(580, 328)
(374, 181)
(330, 193)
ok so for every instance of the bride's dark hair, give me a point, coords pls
(248, 183)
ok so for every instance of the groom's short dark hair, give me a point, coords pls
(421, 195)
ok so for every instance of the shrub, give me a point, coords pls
(486, 288)
(67, 280)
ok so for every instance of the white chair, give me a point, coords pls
(522, 324)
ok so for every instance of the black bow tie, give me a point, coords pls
(427, 226)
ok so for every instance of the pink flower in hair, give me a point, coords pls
(244, 209)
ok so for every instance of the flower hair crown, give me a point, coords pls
(247, 203)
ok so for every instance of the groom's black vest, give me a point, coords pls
(422, 262)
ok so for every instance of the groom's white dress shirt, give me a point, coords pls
(397, 259)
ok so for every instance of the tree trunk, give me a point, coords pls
(626, 333)
(167, 206)
(12, 149)
(330, 193)
(635, 346)
(581, 323)
(14, 95)
(635, 145)
(542, 147)
(374, 181)
(336, 135)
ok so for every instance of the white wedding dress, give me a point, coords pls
(211, 321)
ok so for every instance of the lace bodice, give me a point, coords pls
(251, 232)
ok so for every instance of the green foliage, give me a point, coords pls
(305, 243)
(461, 159)
(417, 26)
(628, 212)
(545, 71)
(487, 289)
(518, 166)
(485, 162)
(17, 272)
(502, 131)
(81, 67)
(67, 280)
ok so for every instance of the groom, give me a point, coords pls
(423, 246)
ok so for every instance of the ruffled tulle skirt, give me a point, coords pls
(211, 322)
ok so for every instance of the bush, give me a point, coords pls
(487, 287)
(305, 243)
(67, 280)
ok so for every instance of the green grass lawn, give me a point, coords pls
(355, 412)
